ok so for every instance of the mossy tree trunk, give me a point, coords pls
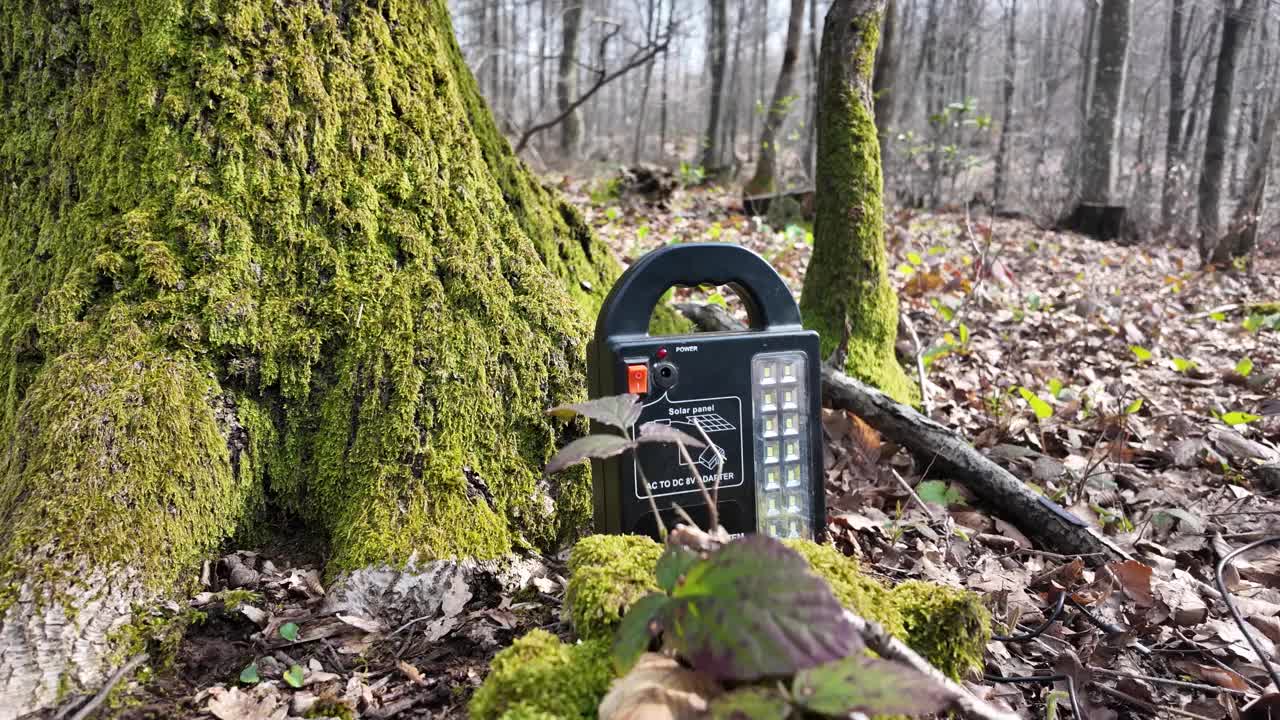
(847, 297)
(258, 256)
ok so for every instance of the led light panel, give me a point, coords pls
(781, 445)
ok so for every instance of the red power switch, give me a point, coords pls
(638, 379)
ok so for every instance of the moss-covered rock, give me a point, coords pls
(540, 676)
(949, 626)
(606, 574)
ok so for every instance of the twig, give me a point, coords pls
(1151, 707)
(637, 60)
(702, 486)
(92, 706)
(891, 648)
(1167, 681)
(925, 400)
(912, 492)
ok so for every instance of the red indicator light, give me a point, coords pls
(662, 352)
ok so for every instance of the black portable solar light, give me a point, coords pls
(755, 394)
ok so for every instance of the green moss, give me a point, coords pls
(606, 574)
(117, 461)
(541, 676)
(340, 290)
(847, 297)
(329, 707)
(949, 626)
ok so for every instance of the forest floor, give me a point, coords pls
(1123, 382)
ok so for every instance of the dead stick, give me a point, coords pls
(90, 707)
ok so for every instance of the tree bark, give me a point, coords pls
(1174, 169)
(567, 77)
(811, 111)
(1243, 234)
(651, 20)
(1006, 125)
(717, 51)
(280, 262)
(847, 297)
(883, 80)
(1106, 106)
(764, 180)
(1235, 27)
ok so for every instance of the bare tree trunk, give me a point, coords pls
(1106, 107)
(717, 49)
(651, 21)
(1235, 27)
(1243, 235)
(882, 81)
(730, 142)
(758, 57)
(567, 78)
(1006, 124)
(811, 112)
(666, 79)
(1173, 158)
(933, 102)
(764, 180)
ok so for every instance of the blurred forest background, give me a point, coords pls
(1165, 108)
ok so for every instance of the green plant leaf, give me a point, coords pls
(1143, 354)
(673, 564)
(870, 686)
(905, 270)
(289, 631)
(249, 675)
(1133, 407)
(619, 411)
(1238, 418)
(964, 334)
(1055, 387)
(754, 609)
(1183, 365)
(651, 432)
(1244, 367)
(1253, 323)
(1041, 408)
(751, 703)
(641, 624)
(293, 676)
(717, 299)
(938, 493)
(915, 259)
(584, 448)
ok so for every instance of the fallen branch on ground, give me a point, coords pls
(947, 454)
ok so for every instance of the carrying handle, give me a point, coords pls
(627, 309)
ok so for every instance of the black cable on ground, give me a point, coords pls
(1033, 634)
(1071, 686)
(1235, 614)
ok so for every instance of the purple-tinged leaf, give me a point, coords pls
(591, 446)
(638, 628)
(754, 609)
(619, 411)
(664, 433)
(751, 703)
(871, 686)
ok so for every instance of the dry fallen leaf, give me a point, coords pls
(263, 702)
(658, 688)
